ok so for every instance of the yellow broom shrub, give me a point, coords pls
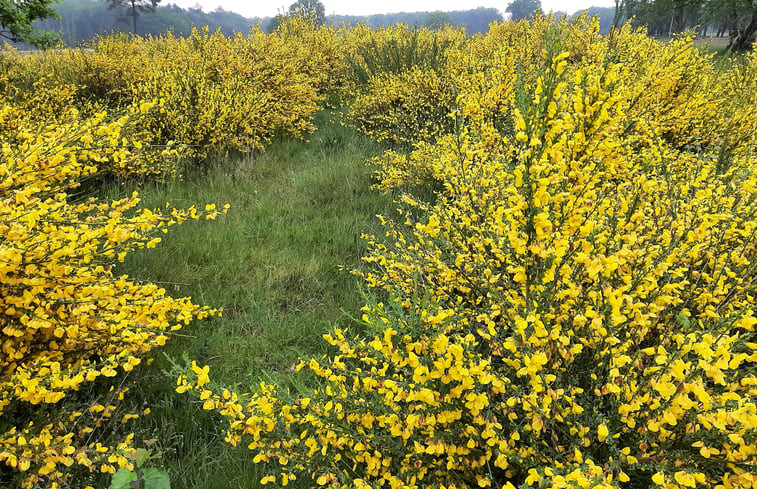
(407, 93)
(397, 48)
(217, 93)
(405, 108)
(322, 52)
(66, 320)
(225, 93)
(576, 308)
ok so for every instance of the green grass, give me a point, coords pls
(273, 265)
(708, 44)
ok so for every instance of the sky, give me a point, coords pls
(269, 8)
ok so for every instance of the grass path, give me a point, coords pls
(272, 264)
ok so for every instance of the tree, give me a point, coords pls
(133, 9)
(274, 23)
(741, 21)
(667, 17)
(17, 16)
(309, 8)
(620, 6)
(437, 19)
(523, 9)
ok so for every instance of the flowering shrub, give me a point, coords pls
(407, 92)
(65, 319)
(321, 54)
(480, 94)
(228, 93)
(102, 74)
(405, 108)
(398, 48)
(47, 105)
(217, 93)
(733, 128)
(608, 292)
(576, 309)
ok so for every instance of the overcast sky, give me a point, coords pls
(268, 8)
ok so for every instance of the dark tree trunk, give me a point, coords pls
(745, 38)
(619, 4)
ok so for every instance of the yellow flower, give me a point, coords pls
(602, 432)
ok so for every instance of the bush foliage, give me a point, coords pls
(574, 309)
(66, 320)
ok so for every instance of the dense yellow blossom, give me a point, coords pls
(404, 108)
(215, 94)
(226, 93)
(576, 306)
(65, 319)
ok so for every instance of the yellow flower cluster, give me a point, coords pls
(408, 93)
(46, 104)
(404, 108)
(225, 93)
(65, 319)
(397, 48)
(216, 93)
(681, 95)
(321, 54)
(576, 307)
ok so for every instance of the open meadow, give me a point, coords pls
(392, 258)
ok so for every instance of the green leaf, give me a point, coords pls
(683, 320)
(156, 479)
(141, 456)
(16, 19)
(122, 479)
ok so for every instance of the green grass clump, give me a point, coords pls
(273, 265)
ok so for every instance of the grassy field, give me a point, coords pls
(573, 306)
(273, 265)
(717, 45)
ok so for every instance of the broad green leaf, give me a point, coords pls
(156, 479)
(122, 479)
(141, 456)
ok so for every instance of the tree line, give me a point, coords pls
(42, 23)
(736, 19)
(474, 21)
(81, 20)
(73, 22)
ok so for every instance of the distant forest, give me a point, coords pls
(81, 20)
(474, 21)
